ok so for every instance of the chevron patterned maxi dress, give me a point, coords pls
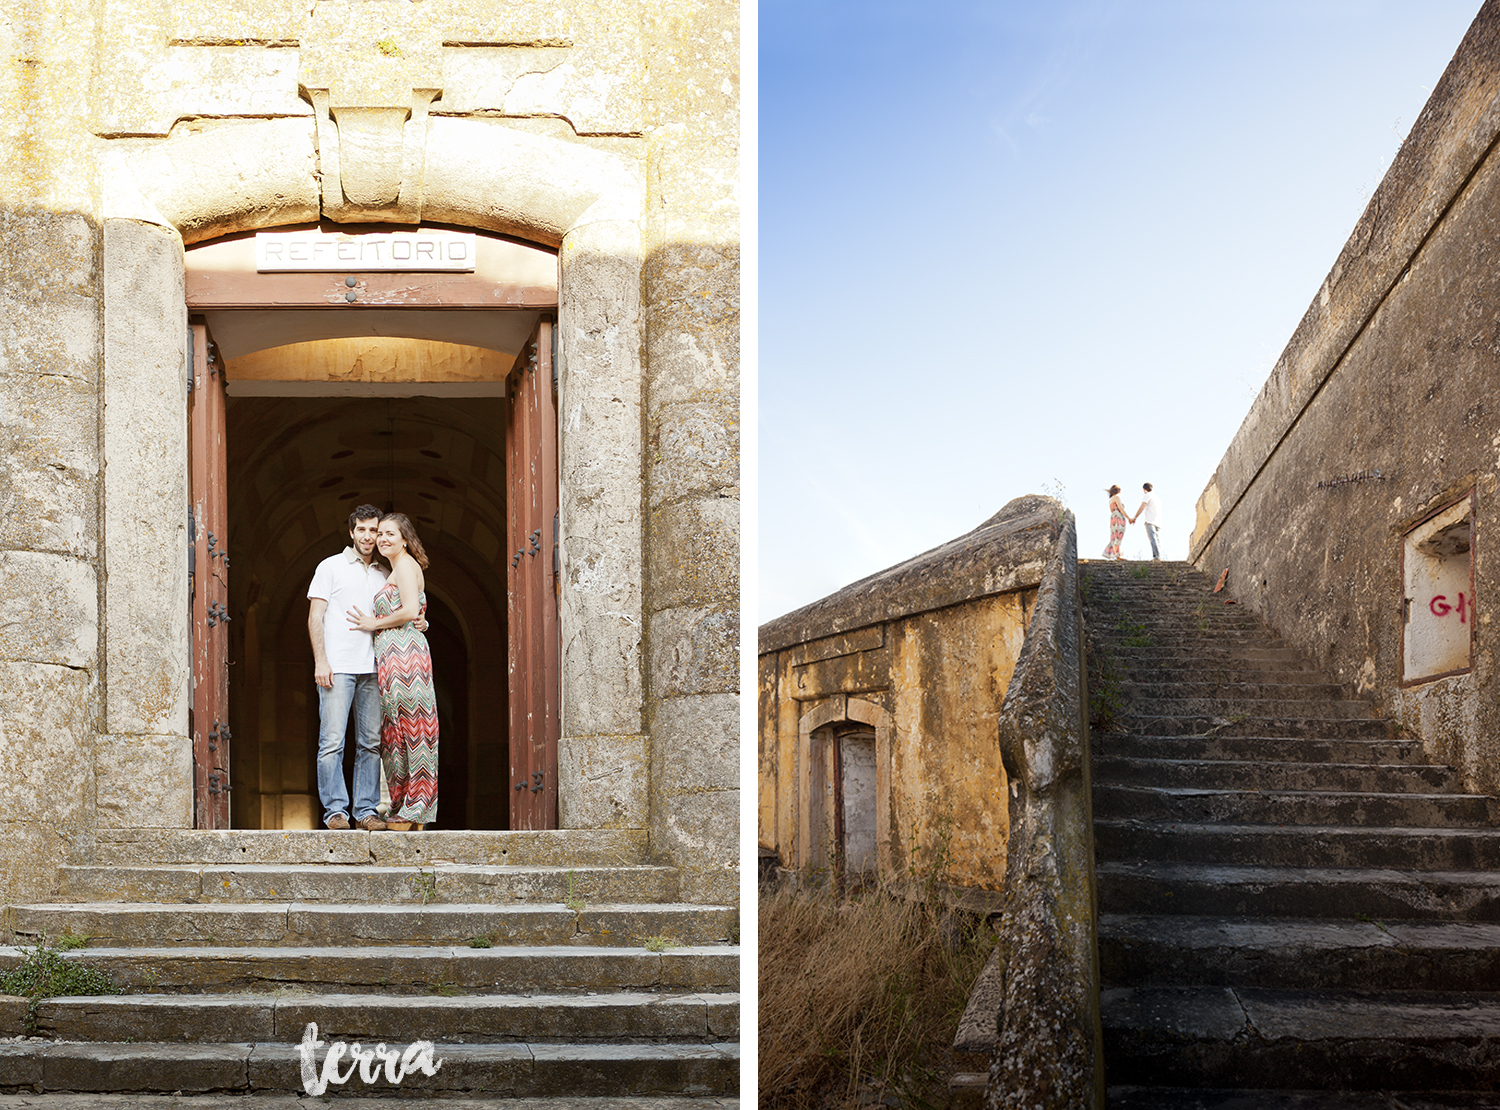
(409, 732)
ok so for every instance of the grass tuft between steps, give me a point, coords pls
(46, 973)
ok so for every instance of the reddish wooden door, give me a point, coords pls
(532, 536)
(209, 577)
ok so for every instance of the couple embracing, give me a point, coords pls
(370, 657)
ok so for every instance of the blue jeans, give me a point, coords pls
(1151, 530)
(361, 693)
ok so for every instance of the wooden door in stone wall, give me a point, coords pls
(208, 563)
(533, 558)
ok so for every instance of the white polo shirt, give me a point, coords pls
(343, 581)
(1153, 510)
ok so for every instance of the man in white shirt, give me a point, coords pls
(1152, 512)
(344, 669)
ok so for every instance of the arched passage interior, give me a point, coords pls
(297, 467)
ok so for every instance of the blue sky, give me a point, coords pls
(1010, 248)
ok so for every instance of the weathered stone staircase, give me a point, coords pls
(522, 956)
(1295, 908)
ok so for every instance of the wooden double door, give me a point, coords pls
(531, 567)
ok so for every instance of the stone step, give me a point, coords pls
(1153, 950)
(530, 848)
(1257, 1038)
(1169, 641)
(1163, 629)
(1172, 591)
(1168, 570)
(1228, 706)
(205, 969)
(1308, 728)
(1121, 619)
(1193, 667)
(1174, 690)
(620, 1017)
(1381, 894)
(1268, 806)
(1199, 680)
(1272, 749)
(1246, 774)
(1167, 661)
(304, 924)
(430, 883)
(1199, 1098)
(1211, 650)
(1424, 849)
(513, 1070)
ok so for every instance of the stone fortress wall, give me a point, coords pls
(606, 131)
(1356, 507)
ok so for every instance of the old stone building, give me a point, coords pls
(557, 408)
(879, 707)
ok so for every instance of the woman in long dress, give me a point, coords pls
(403, 670)
(1118, 518)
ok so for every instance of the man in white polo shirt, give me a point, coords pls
(1152, 512)
(344, 669)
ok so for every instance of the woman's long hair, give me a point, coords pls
(409, 534)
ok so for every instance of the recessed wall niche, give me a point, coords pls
(1437, 566)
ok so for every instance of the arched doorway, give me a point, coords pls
(326, 409)
(581, 202)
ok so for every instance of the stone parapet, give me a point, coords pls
(1008, 552)
(1048, 1045)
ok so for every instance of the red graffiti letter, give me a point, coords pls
(1461, 619)
(1439, 606)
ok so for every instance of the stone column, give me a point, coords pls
(144, 762)
(602, 756)
(692, 449)
(49, 469)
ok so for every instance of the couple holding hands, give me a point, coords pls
(370, 657)
(1118, 518)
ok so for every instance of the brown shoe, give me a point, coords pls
(371, 823)
(338, 822)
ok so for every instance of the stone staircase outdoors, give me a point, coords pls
(522, 956)
(1295, 908)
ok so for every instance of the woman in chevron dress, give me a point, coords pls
(403, 669)
(1118, 518)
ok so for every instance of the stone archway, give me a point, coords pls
(818, 783)
(208, 180)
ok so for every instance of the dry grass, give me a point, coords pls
(860, 991)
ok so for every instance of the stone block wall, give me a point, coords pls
(1384, 410)
(50, 466)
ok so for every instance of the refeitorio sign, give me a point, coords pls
(313, 251)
